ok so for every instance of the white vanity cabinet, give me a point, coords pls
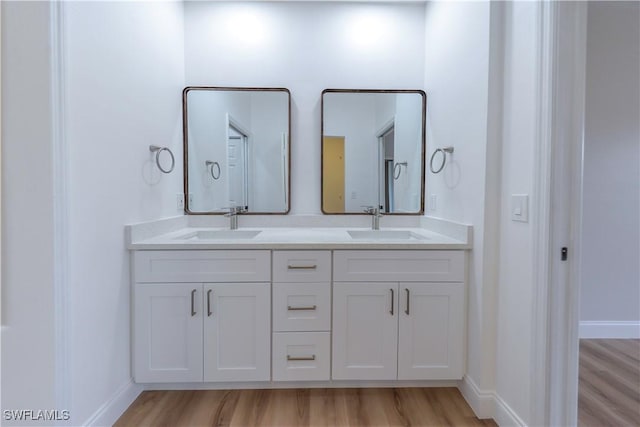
(398, 315)
(237, 331)
(297, 315)
(167, 334)
(201, 316)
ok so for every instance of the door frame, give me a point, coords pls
(558, 212)
(382, 131)
(248, 156)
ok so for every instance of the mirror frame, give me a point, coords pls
(424, 132)
(185, 150)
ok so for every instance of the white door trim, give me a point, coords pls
(62, 328)
(558, 203)
(1, 293)
(541, 217)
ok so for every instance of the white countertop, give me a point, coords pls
(297, 238)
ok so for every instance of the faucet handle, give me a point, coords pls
(232, 210)
(373, 210)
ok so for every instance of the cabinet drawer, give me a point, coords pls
(301, 356)
(301, 306)
(301, 266)
(202, 266)
(397, 266)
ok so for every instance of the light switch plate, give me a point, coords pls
(520, 207)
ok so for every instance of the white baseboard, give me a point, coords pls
(505, 416)
(482, 402)
(113, 408)
(610, 329)
(487, 404)
(298, 384)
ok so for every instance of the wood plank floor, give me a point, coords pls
(609, 385)
(302, 407)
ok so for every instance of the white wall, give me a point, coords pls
(457, 87)
(123, 89)
(28, 379)
(305, 47)
(515, 289)
(610, 288)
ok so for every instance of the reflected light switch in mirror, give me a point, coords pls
(520, 207)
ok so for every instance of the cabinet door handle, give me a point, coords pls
(311, 307)
(209, 312)
(193, 305)
(290, 358)
(302, 267)
(391, 311)
(407, 310)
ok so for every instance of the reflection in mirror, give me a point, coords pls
(373, 151)
(236, 149)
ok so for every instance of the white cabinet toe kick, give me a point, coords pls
(278, 318)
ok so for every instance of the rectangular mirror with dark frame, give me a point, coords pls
(373, 145)
(236, 149)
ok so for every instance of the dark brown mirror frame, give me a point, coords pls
(424, 126)
(185, 145)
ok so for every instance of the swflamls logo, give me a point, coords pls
(36, 415)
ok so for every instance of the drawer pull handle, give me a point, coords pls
(302, 267)
(408, 297)
(294, 359)
(193, 297)
(209, 312)
(311, 307)
(392, 304)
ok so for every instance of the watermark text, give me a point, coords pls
(36, 415)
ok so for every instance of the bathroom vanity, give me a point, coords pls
(318, 301)
(280, 306)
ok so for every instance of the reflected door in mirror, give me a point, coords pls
(333, 173)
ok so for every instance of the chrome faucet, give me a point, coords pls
(374, 211)
(233, 216)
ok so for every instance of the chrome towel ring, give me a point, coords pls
(397, 169)
(444, 152)
(212, 166)
(158, 150)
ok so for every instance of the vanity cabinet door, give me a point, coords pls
(431, 331)
(365, 331)
(168, 332)
(237, 332)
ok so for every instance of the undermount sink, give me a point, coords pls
(220, 234)
(384, 235)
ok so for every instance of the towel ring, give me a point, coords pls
(210, 164)
(444, 152)
(158, 150)
(398, 167)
